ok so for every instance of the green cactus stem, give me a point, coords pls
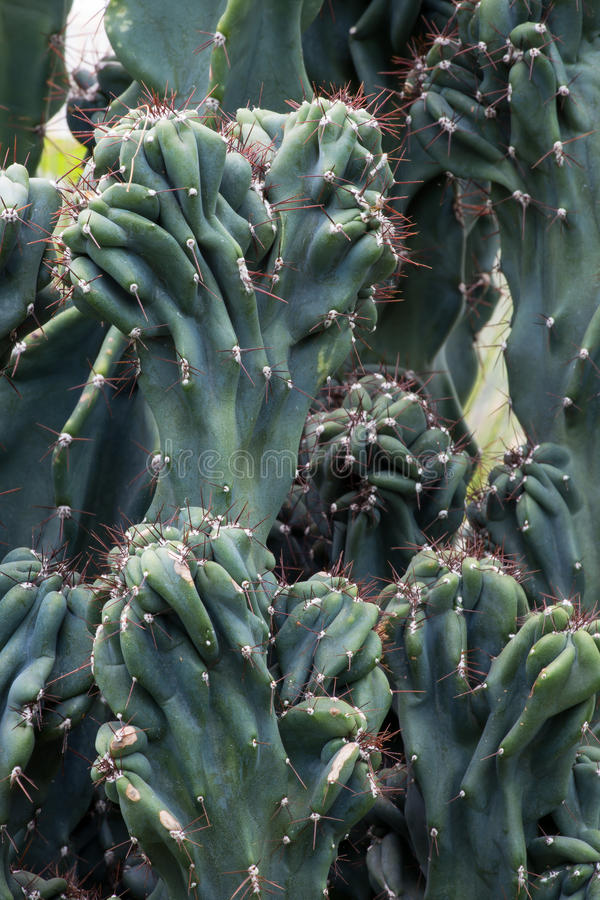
(527, 509)
(45, 680)
(508, 98)
(387, 471)
(225, 279)
(486, 695)
(190, 762)
(32, 45)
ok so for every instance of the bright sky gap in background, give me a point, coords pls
(85, 44)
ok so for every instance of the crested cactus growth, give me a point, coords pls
(45, 681)
(527, 511)
(447, 294)
(387, 471)
(225, 278)
(278, 193)
(495, 693)
(193, 625)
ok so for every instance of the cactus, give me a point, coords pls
(571, 857)
(198, 593)
(455, 241)
(387, 472)
(528, 511)
(200, 217)
(496, 694)
(29, 206)
(32, 42)
(93, 92)
(45, 349)
(219, 57)
(254, 322)
(476, 118)
(300, 537)
(44, 661)
(579, 881)
(57, 444)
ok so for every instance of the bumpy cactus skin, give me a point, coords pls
(387, 471)
(27, 217)
(581, 881)
(445, 294)
(192, 627)
(486, 695)
(45, 679)
(213, 271)
(528, 511)
(224, 283)
(508, 99)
